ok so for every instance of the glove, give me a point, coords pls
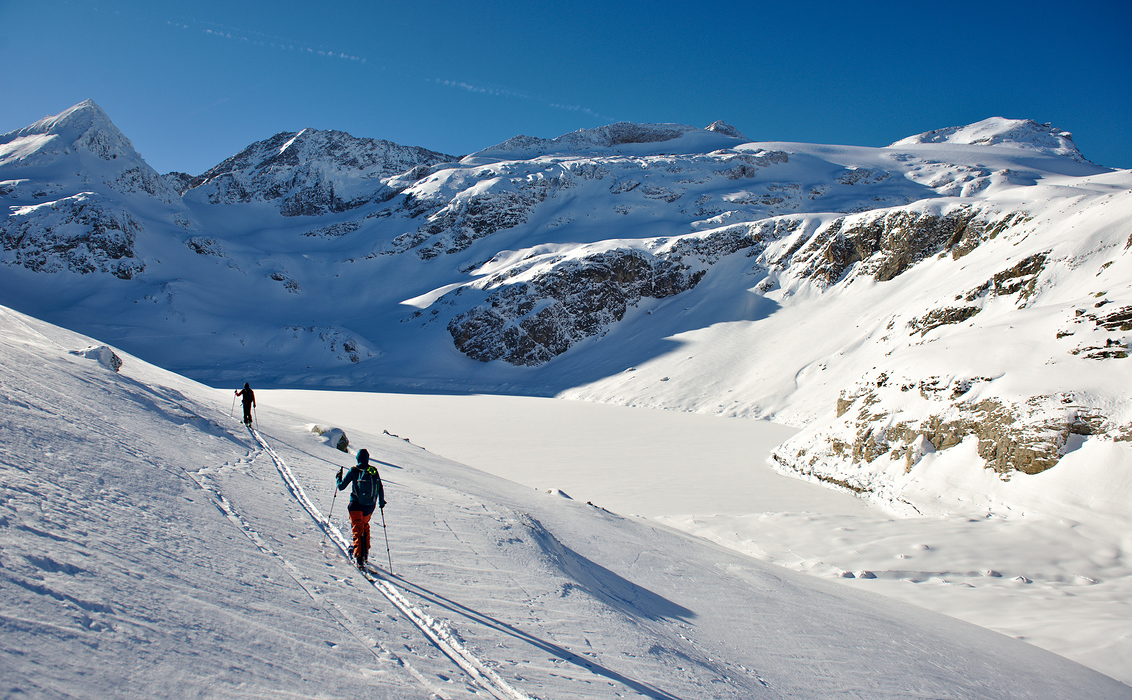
(340, 473)
(381, 504)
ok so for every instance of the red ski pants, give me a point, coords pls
(359, 521)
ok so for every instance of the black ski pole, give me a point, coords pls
(256, 414)
(329, 514)
(387, 554)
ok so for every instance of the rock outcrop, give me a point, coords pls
(83, 233)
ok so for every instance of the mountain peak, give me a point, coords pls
(84, 127)
(311, 171)
(79, 146)
(721, 127)
(1023, 134)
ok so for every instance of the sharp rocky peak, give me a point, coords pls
(312, 172)
(337, 149)
(82, 128)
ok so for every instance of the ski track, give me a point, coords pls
(438, 630)
(352, 627)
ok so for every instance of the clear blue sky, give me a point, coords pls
(191, 83)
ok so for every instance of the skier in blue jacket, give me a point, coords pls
(367, 493)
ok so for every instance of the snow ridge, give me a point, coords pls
(623, 136)
(1009, 133)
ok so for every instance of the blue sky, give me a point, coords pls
(193, 83)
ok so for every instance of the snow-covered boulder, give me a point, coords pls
(335, 437)
(101, 354)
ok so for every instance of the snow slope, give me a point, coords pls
(152, 546)
(1051, 569)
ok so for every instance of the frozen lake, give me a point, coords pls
(1057, 583)
(635, 461)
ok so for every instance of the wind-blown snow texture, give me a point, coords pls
(152, 546)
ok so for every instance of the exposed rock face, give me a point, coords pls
(530, 323)
(203, 245)
(312, 172)
(83, 234)
(466, 220)
(180, 182)
(1111, 326)
(289, 283)
(1010, 437)
(887, 243)
(942, 317)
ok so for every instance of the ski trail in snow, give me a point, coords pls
(349, 625)
(342, 618)
(438, 630)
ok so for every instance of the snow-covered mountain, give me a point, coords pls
(78, 193)
(311, 173)
(963, 290)
(1010, 133)
(154, 547)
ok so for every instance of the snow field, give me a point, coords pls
(152, 546)
(1041, 558)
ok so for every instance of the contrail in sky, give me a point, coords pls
(521, 95)
(267, 41)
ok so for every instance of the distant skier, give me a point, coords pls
(367, 493)
(249, 401)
